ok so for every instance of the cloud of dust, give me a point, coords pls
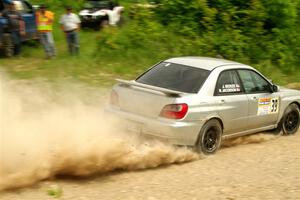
(46, 132)
(249, 139)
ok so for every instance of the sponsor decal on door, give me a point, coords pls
(268, 106)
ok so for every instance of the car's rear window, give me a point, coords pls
(175, 77)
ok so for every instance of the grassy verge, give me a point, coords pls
(94, 70)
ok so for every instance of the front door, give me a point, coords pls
(263, 104)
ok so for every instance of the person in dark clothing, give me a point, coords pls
(16, 25)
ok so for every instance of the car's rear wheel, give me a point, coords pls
(291, 120)
(104, 22)
(209, 139)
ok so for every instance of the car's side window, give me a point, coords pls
(253, 82)
(228, 83)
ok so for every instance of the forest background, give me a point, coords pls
(260, 33)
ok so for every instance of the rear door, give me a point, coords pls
(232, 102)
(263, 104)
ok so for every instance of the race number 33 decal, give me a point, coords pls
(274, 105)
(268, 106)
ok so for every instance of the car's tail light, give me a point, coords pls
(174, 111)
(114, 98)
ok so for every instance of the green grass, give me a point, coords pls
(33, 65)
(55, 191)
(86, 68)
(91, 69)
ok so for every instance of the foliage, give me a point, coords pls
(255, 32)
(59, 4)
(261, 33)
(55, 191)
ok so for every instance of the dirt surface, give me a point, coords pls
(46, 132)
(263, 170)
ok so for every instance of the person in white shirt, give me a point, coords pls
(70, 24)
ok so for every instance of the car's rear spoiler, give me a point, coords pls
(167, 92)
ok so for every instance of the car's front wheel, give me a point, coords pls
(290, 120)
(209, 139)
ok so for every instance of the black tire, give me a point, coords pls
(209, 139)
(104, 23)
(291, 120)
(8, 45)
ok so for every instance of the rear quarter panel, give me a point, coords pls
(201, 108)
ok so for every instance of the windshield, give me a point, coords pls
(175, 77)
(98, 4)
(18, 5)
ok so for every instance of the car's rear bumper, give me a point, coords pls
(174, 132)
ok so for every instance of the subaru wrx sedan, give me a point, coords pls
(198, 101)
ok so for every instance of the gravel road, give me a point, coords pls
(264, 170)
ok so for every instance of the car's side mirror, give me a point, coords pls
(275, 88)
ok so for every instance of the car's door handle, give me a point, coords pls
(254, 98)
(222, 101)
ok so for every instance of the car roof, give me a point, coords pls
(203, 62)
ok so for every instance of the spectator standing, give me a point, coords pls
(44, 20)
(16, 25)
(70, 24)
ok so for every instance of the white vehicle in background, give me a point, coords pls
(98, 13)
(198, 101)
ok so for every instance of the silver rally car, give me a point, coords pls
(198, 101)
